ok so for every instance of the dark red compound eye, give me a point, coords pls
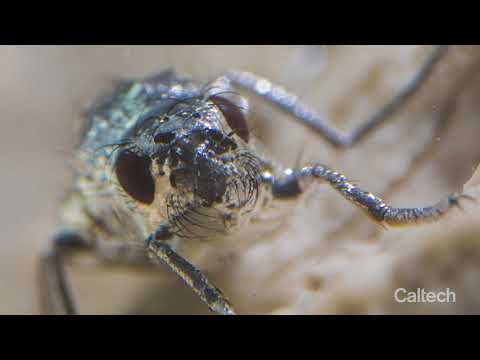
(133, 174)
(233, 115)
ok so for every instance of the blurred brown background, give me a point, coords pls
(329, 258)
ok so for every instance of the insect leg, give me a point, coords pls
(160, 252)
(54, 289)
(293, 183)
(308, 117)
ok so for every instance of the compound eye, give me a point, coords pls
(233, 115)
(133, 174)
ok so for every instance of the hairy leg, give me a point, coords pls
(160, 252)
(291, 104)
(55, 291)
(294, 182)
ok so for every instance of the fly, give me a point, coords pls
(165, 160)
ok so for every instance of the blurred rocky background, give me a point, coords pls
(328, 257)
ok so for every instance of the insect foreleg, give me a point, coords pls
(294, 182)
(160, 252)
(289, 102)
